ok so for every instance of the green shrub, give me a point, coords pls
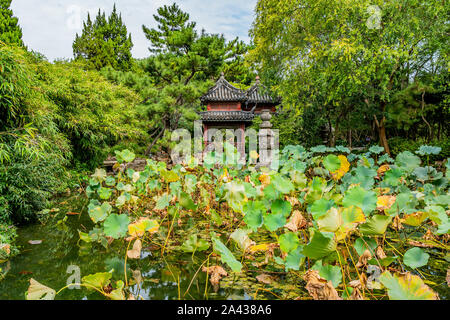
(26, 185)
(398, 145)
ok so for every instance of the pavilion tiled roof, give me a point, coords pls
(224, 91)
(258, 93)
(227, 116)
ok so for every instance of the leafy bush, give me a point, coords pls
(54, 117)
(398, 145)
(26, 185)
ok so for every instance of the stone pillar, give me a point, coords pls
(266, 139)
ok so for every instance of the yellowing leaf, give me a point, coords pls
(135, 253)
(264, 179)
(263, 247)
(117, 294)
(407, 287)
(37, 291)
(139, 227)
(385, 202)
(415, 219)
(331, 221)
(345, 166)
(382, 169)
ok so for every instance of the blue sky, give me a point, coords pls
(49, 26)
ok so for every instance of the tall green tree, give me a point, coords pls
(10, 31)
(181, 67)
(104, 42)
(350, 56)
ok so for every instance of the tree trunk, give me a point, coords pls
(382, 129)
(349, 138)
(382, 136)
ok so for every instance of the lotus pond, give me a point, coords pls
(328, 224)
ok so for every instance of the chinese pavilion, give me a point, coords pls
(231, 108)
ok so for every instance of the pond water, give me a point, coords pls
(54, 260)
(174, 276)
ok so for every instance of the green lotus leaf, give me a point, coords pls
(162, 202)
(405, 202)
(274, 221)
(321, 245)
(332, 162)
(320, 207)
(116, 226)
(299, 178)
(376, 149)
(125, 155)
(428, 150)
(383, 262)
(342, 149)
(270, 192)
(359, 197)
(407, 161)
(110, 181)
(186, 201)
(329, 272)
(318, 149)
(439, 216)
(363, 176)
(392, 177)
(281, 206)
(288, 241)
(194, 244)
(294, 259)
(225, 254)
(415, 258)
(99, 175)
(282, 184)
(104, 193)
(97, 280)
(376, 225)
(117, 294)
(331, 221)
(190, 183)
(253, 214)
(97, 212)
(234, 191)
(250, 191)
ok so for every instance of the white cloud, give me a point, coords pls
(49, 26)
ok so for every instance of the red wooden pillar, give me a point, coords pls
(205, 135)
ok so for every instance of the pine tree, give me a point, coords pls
(171, 21)
(10, 31)
(182, 65)
(104, 42)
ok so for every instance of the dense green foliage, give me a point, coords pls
(10, 31)
(55, 117)
(368, 68)
(104, 42)
(328, 218)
